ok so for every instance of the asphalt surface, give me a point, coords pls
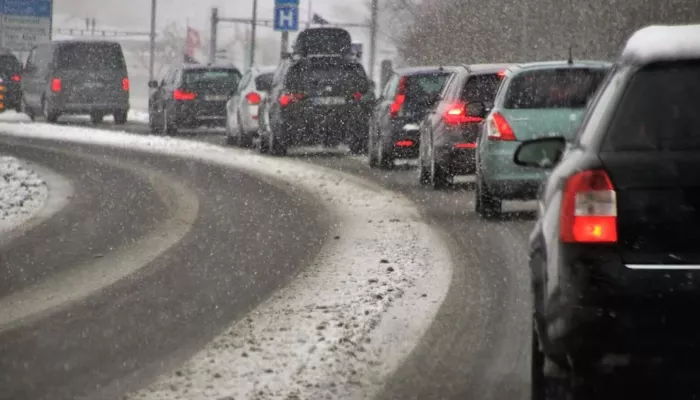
(243, 245)
(479, 344)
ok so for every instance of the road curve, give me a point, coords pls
(243, 244)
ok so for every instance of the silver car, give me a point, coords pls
(242, 108)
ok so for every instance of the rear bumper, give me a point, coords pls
(197, 113)
(503, 177)
(455, 147)
(65, 105)
(607, 308)
(402, 139)
(314, 126)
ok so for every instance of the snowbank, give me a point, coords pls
(133, 116)
(345, 324)
(22, 193)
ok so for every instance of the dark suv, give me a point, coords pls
(614, 255)
(317, 99)
(76, 77)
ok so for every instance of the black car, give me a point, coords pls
(76, 77)
(190, 96)
(449, 135)
(11, 76)
(614, 256)
(314, 100)
(405, 100)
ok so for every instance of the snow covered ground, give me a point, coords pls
(133, 116)
(341, 327)
(22, 193)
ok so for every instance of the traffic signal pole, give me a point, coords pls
(373, 38)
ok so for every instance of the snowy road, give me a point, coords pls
(478, 346)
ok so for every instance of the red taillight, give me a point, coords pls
(400, 98)
(358, 96)
(465, 146)
(180, 94)
(457, 114)
(56, 85)
(500, 128)
(405, 143)
(501, 74)
(125, 84)
(589, 209)
(16, 78)
(253, 98)
(289, 98)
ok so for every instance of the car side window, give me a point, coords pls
(175, 77)
(41, 60)
(279, 73)
(597, 109)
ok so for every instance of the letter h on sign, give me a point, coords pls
(286, 18)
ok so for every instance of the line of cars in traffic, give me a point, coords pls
(610, 152)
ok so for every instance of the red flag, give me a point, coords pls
(192, 43)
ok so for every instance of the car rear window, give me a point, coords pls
(90, 56)
(309, 76)
(424, 87)
(9, 65)
(554, 88)
(659, 110)
(481, 88)
(221, 77)
(264, 81)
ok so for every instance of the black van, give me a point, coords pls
(76, 77)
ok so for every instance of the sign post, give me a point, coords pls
(24, 23)
(286, 20)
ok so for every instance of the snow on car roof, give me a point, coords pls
(663, 43)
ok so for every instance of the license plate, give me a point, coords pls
(215, 98)
(329, 101)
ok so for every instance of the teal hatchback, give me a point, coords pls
(534, 100)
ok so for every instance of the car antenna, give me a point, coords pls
(441, 68)
(571, 55)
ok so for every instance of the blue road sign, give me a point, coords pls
(286, 18)
(25, 23)
(286, 3)
(26, 8)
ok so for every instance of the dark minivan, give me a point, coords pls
(76, 77)
(11, 75)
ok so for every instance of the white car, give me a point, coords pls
(242, 107)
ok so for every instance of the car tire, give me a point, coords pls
(437, 176)
(486, 205)
(245, 141)
(372, 151)
(423, 173)
(24, 108)
(275, 148)
(120, 117)
(50, 116)
(168, 128)
(384, 160)
(358, 145)
(96, 118)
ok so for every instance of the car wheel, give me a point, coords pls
(245, 141)
(423, 172)
(437, 176)
(275, 148)
(24, 108)
(358, 144)
(168, 128)
(487, 205)
(120, 117)
(96, 118)
(384, 160)
(50, 116)
(372, 151)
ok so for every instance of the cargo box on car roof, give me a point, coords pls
(323, 41)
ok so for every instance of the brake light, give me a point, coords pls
(125, 84)
(56, 85)
(589, 209)
(501, 74)
(180, 94)
(358, 96)
(500, 128)
(465, 146)
(457, 114)
(405, 143)
(400, 98)
(16, 78)
(253, 98)
(289, 98)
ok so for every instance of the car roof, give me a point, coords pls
(662, 43)
(428, 69)
(560, 64)
(76, 41)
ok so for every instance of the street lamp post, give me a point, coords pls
(152, 46)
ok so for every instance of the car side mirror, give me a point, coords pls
(542, 153)
(153, 84)
(477, 109)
